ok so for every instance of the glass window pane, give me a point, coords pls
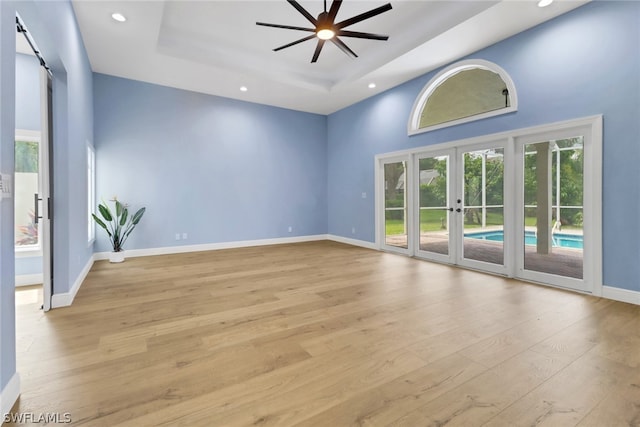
(464, 94)
(483, 219)
(553, 214)
(25, 186)
(395, 204)
(434, 215)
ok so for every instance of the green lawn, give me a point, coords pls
(431, 220)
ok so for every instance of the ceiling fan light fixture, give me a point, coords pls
(325, 33)
(326, 28)
(544, 3)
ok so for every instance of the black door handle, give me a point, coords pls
(36, 214)
(450, 209)
(458, 210)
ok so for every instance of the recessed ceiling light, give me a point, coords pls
(372, 85)
(544, 3)
(243, 88)
(118, 17)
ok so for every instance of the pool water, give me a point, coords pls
(561, 240)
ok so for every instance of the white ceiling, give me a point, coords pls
(215, 47)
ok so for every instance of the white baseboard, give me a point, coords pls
(29, 279)
(624, 295)
(134, 253)
(66, 299)
(352, 242)
(9, 395)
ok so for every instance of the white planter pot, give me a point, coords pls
(116, 256)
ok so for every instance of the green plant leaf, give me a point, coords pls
(123, 218)
(101, 224)
(99, 221)
(105, 212)
(119, 209)
(138, 216)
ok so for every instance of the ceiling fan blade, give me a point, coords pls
(286, 27)
(343, 47)
(304, 39)
(333, 11)
(304, 12)
(359, 35)
(363, 16)
(316, 54)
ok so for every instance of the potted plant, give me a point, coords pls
(118, 226)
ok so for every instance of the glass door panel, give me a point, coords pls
(482, 221)
(434, 212)
(395, 204)
(553, 207)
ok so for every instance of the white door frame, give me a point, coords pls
(592, 205)
(451, 196)
(380, 204)
(589, 127)
(507, 267)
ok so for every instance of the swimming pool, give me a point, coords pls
(562, 240)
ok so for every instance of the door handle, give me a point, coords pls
(450, 209)
(36, 214)
(458, 210)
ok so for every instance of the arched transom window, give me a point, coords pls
(465, 91)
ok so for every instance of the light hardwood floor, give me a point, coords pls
(324, 334)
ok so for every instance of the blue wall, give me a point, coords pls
(7, 133)
(54, 27)
(217, 169)
(28, 118)
(583, 63)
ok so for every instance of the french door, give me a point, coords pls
(559, 226)
(513, 204)
(460, 206)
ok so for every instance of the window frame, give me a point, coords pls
(413, 127)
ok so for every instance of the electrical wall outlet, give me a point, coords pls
(177, 236)
(353, 230)
(290, 229)
(184, 236)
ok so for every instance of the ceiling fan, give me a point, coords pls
(325, 27)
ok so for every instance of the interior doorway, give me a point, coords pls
(33, 169)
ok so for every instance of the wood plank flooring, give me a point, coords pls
(325, 334)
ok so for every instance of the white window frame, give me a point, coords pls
(413, 127)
